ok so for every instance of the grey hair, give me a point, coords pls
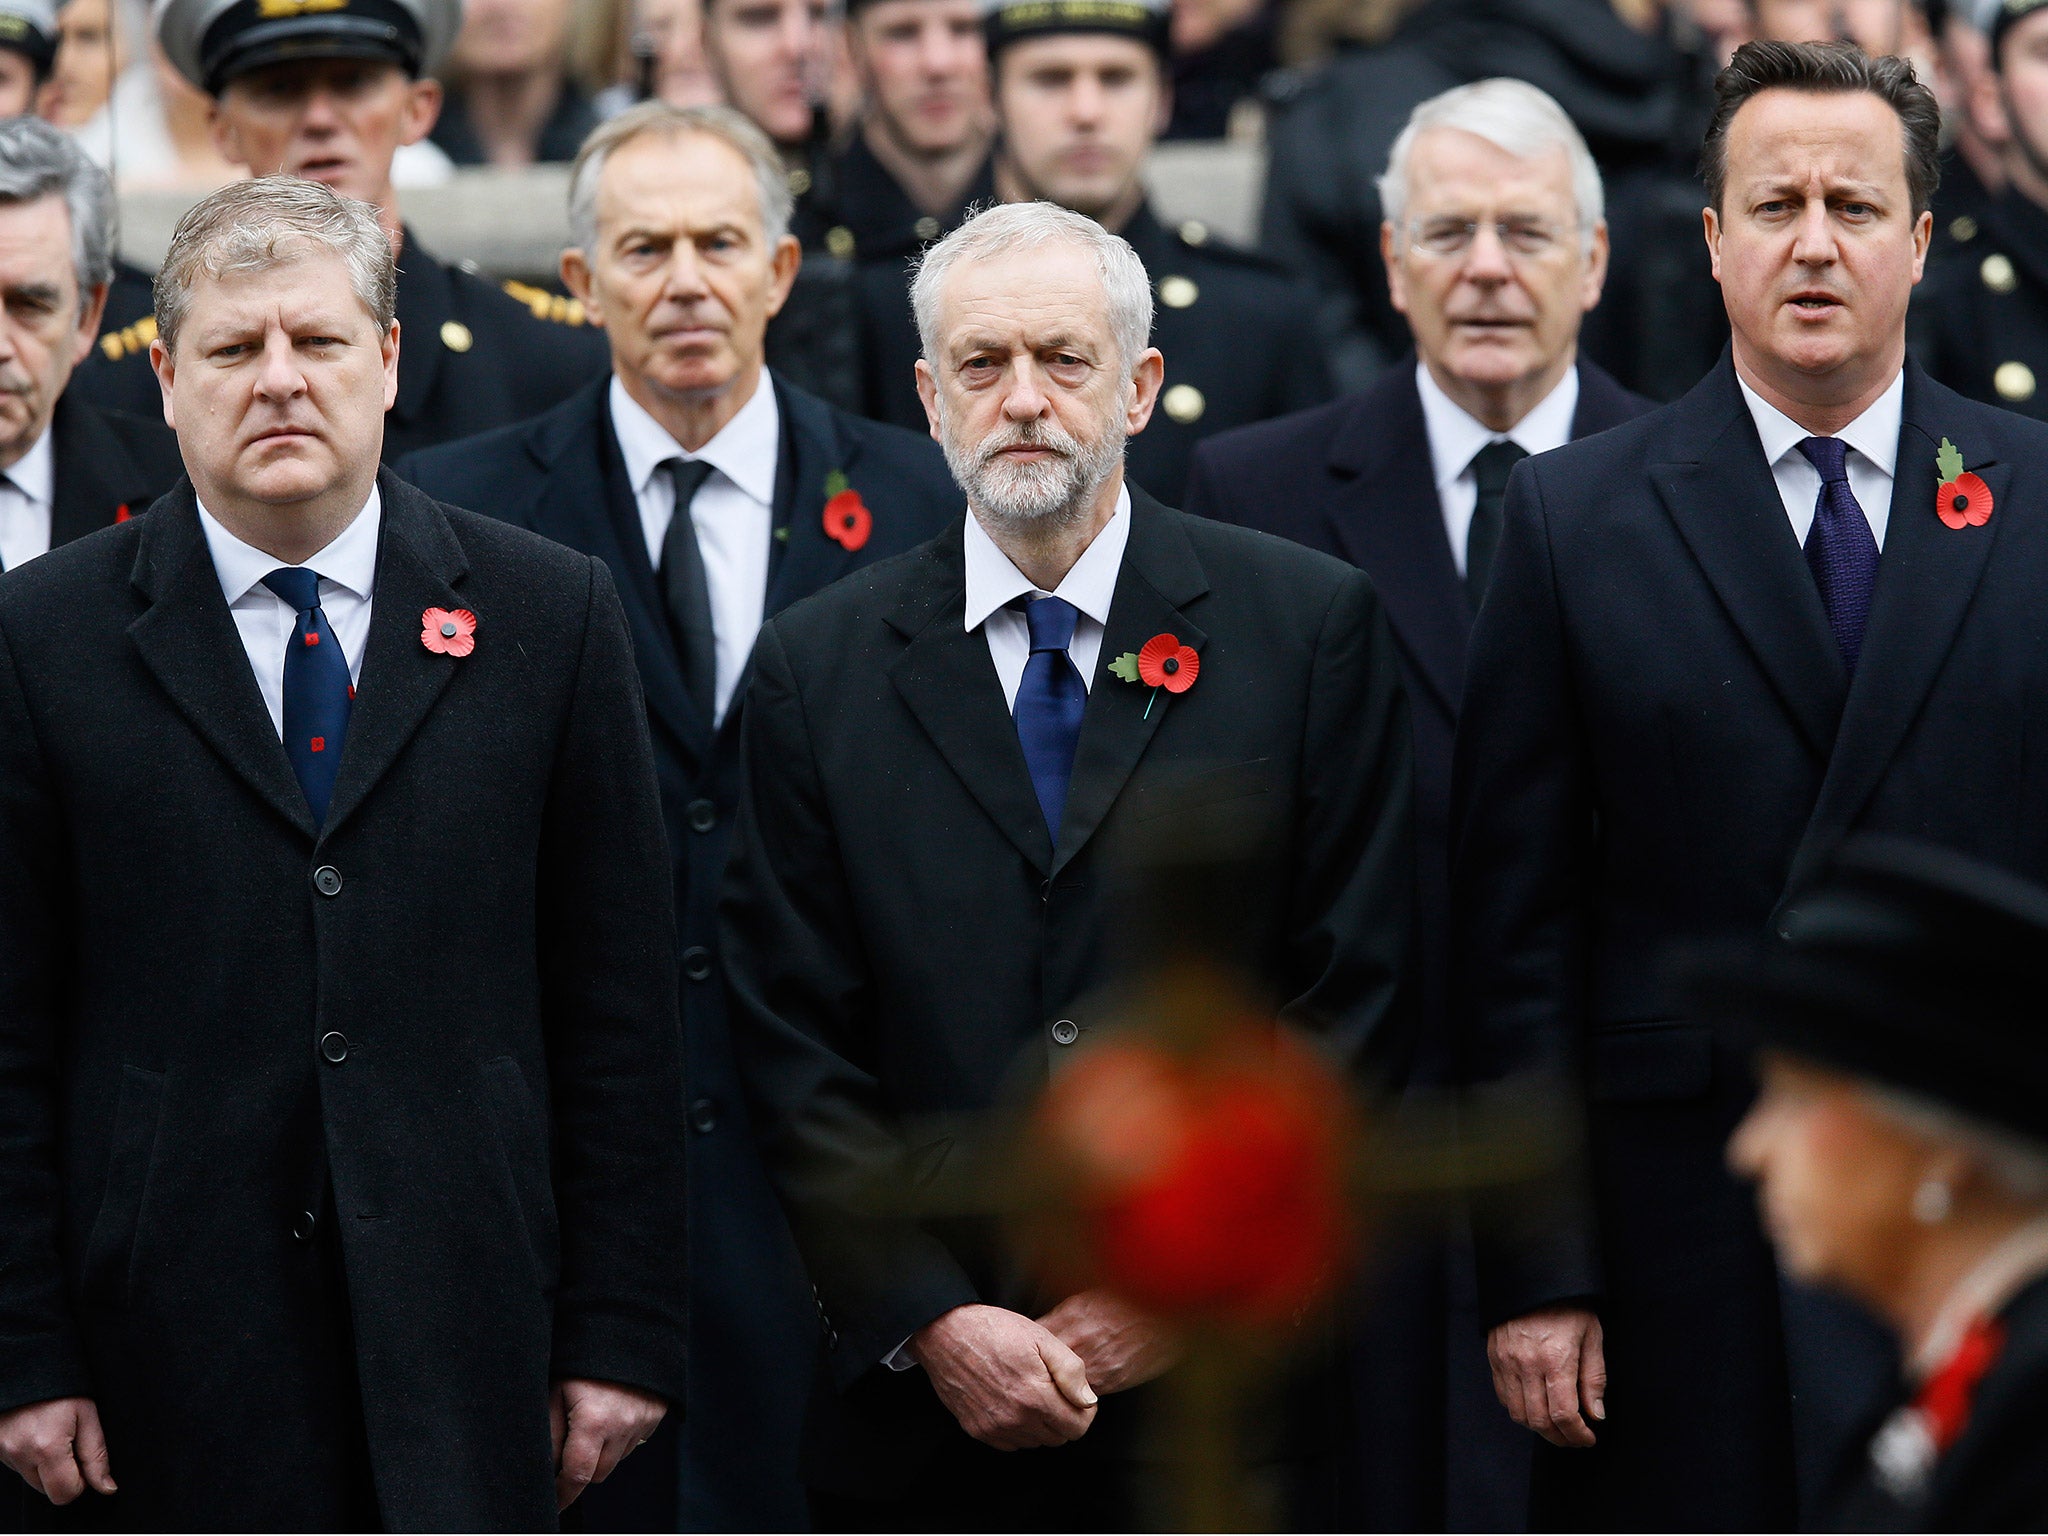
(1009, 227)
(1514, 117)
(778, 203)
(252, 226)
(2016, 1165)
(38, 161)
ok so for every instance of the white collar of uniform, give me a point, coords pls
(1874, 434)
(993, 579)
(744, 450)
(349, 561)
(35, 473)
(1455, 435)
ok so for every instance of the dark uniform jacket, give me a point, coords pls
(1658, 740)
(1239, 340)
(116, 373)
(472, 355)
(905, 943)
(754, 1326)
(105, 467)
(1980, 319)
(451, 1010)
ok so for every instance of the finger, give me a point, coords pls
(92, 1450)
(62, 1481)
(580, 1451)
(1561, 1401)
(1067, 1371)
(1593, 1371)
(558, 1423)
(1535, 1407)
(617, 1447)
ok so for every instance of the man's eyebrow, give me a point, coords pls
(36, 293)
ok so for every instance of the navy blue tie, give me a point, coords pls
(317, 695)
(1050, 701)
(1840, 549)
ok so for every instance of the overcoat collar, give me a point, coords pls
(947, 679)
(187, 637)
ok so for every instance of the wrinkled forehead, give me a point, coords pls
(1452, 170)
(1025, 300)
(1850, 140)
(301, 284)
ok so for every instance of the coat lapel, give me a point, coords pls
(1160, 576)
(93, 474)
(810, 560)
(949, 682)
(1720, 493)
(419, 564)
(1925, 581)
(188, 639)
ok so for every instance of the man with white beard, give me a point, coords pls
(919, 914)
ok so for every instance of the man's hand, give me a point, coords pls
(1120, 1346)
(597, 1425)
(1550, 1372)
(58, 1447)
(1009, 1382)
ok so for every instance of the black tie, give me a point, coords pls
(1490, 468)
(687, 589)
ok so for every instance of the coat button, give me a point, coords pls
(704, 1116)
(304, 1225)
(1065, 1031)
(334, 1046)
(327, 880)
(697, 963)
(703, 815)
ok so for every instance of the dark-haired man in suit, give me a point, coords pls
(1801, 601)
(1495, 248)
(719, 495)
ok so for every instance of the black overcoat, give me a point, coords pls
(1658, 742)
(105, 466)
(904, 941)
(454, 1006)
(753, 1324)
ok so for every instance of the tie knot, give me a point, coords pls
(689, 476)
(1052, 621)
(1492, 464)
(297, 585)
(1829, 455)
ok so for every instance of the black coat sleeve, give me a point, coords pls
(801, 1006)
(1522, 838)
(40, 1353)
(607, 952)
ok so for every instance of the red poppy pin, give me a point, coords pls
(1964, 500)
(848, 522)
(122, 514)
(448, 634)
(1163, 662)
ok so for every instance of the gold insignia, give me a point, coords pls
(799, 182)
(1998, 274)
(1177, 292)
(2013, 381)
(839, 241)
(1195, 232)
(1962, 229)
(271, 10)
(1184, 403)
(456, 336)
(129, 340)
(545, 305)
(926, 228)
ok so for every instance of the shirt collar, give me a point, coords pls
(993, 580)
(349, 561)
(1455, 435)
(744, 450)
(1874, 434)
(35, 473)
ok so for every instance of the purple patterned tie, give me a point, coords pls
(1840, 549)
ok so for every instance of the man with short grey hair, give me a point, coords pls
(337, 1189)
(66, 467)
(718, 494)
(938, 753)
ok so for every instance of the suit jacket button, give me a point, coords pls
(703, 815)
(704, 1116)
(1065, 1031)
(334, 1046)
(697, 963)
(327, 880)
(304, 1226)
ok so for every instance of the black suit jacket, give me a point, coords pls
(753, 1321)
(902, 934)
(1659, 742)
(105, 467)
(1353, 478)
(464, 1028)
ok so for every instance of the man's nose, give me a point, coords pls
(318, 114)
(1487, 261)
(1814, 242)
(685, 284)
(1024, 396)
(279, 376)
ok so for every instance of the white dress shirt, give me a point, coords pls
(27, 495)
(348, 578)
(1456, 436)
(994, 582)
(734, 511)
(1872, 460)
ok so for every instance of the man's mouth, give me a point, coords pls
(1815, 303)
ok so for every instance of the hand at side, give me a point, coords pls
(1008, 1381)
(597, 1425)
(1120, 1346)
(58, 1447)
(1550, 1372)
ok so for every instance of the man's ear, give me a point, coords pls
(1146, 378)
(89, 314)
(787, 260)
(422, 110)
(1712, 224)
(166, 369)
(928, 392)
(1397, 291)
(575, 268)
(389, 347)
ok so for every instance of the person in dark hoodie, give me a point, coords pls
(1630, 93)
